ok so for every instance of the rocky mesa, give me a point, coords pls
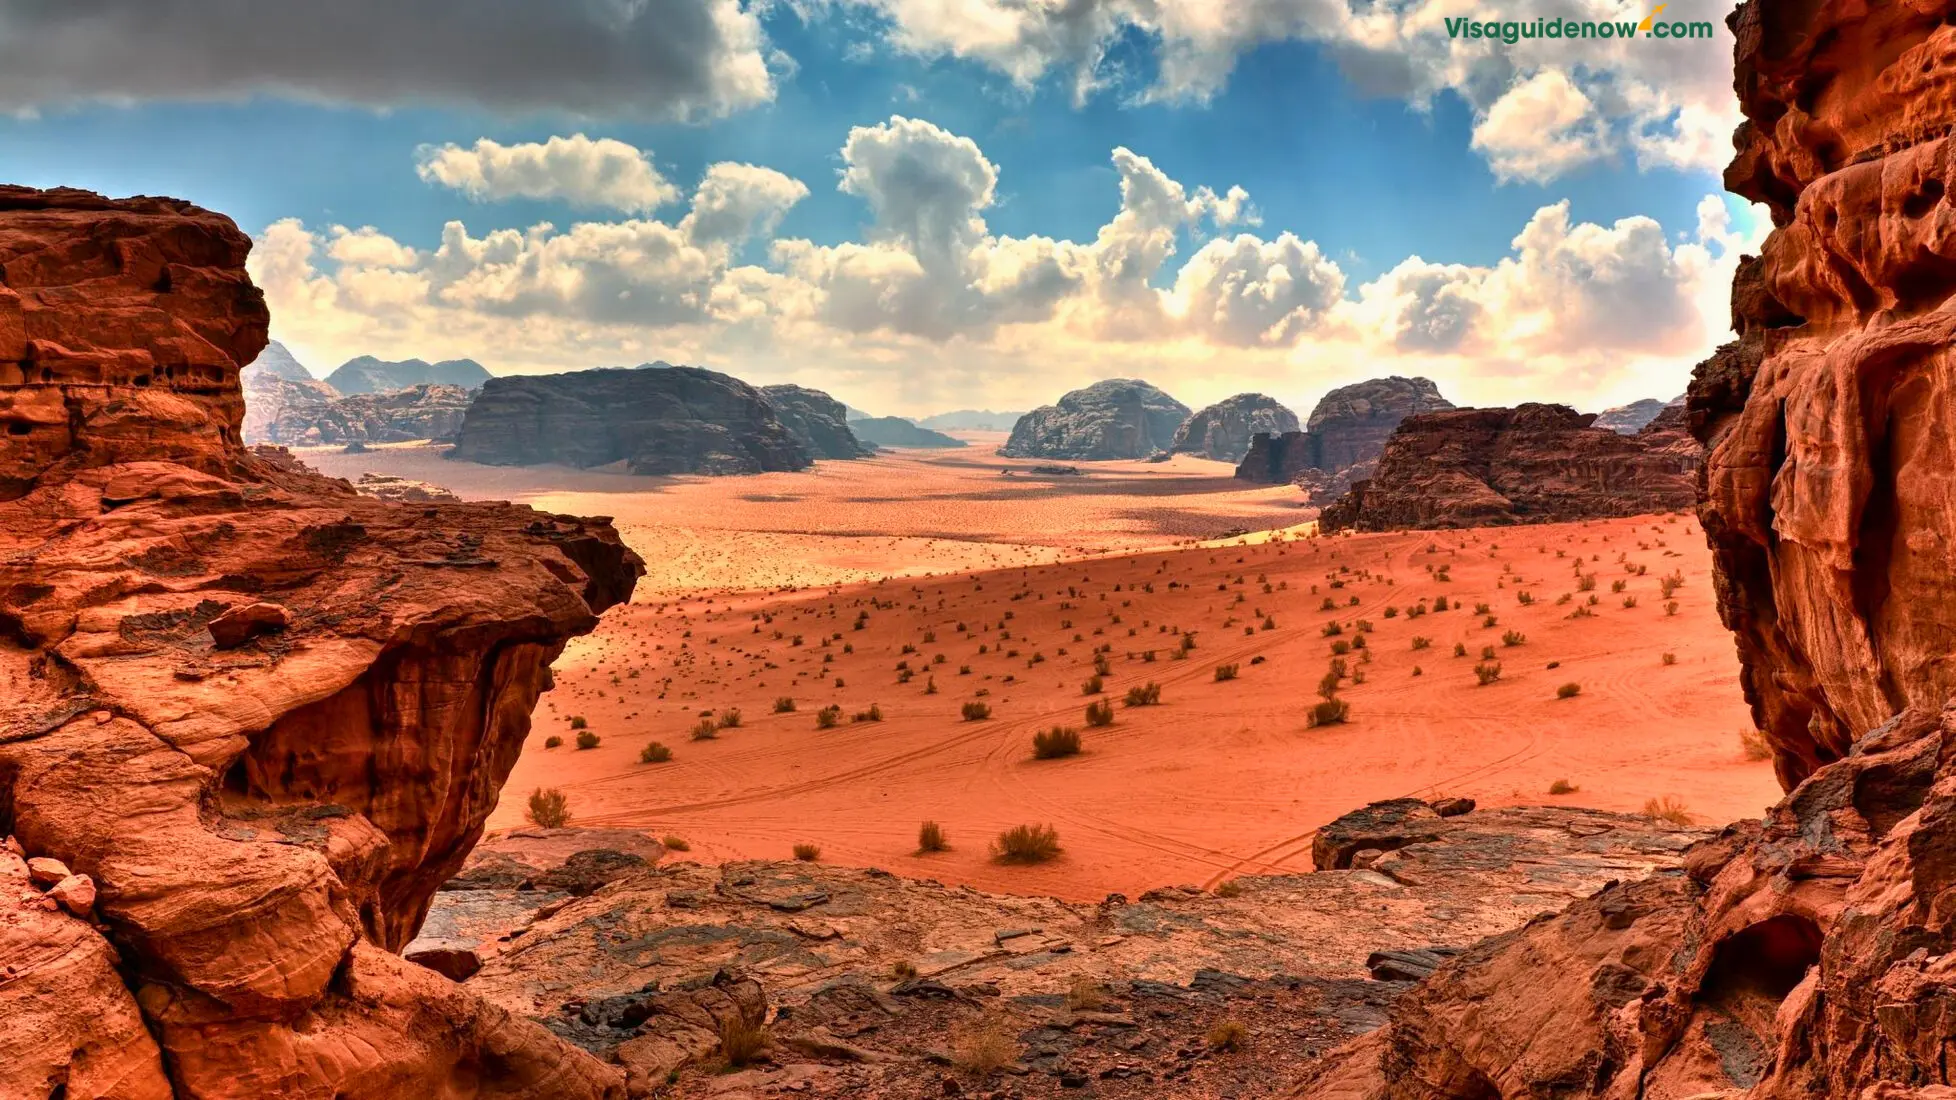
(1223, 430)
(1112, 419)
(818, 421)
(1530, 464)
(1343, 439)
(1807, 954)
(653, 420)
(251, 719)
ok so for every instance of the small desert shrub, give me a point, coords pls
(1669, 585)
(1513, 637)
(1487, 672)
(1333, 628)
(1229, 888)
(586, 739)
(676, 844)
(577, 722)
(985, 1049)
(549, 808)
(1341, 647)
(873, 714)
(706, 729)
(1667, 809)
(1100, 713)
(1094, 685)
(1671, 608)
(1754, 744)
(828, 717)
(1487, 653)
(1670, 658)
(1085, 994)
(741, 1043)
(654, 753)
(1227, 1034)
(552, 741)
(1143, 695)
(1563, 786)
(1460, 649)
(1056, 742)
(808, 853)
(1225, 672)
(1421, 641)
(1482, 609)
(784, 705)
(1026, 844)
(976, 712)
(930, 838)
(1330, 712)
(903, 970)
(1629, 602)
(730, 718)
(1568, 691)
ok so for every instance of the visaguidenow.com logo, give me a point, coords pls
(1512, 31)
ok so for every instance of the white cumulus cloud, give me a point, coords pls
(603, 173)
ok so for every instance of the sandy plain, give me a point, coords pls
(909, 585)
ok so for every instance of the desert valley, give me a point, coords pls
(421, 729)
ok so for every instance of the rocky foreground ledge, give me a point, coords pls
(863, 984)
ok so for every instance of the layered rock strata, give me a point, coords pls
(264, 716)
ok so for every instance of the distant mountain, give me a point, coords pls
(1115, 419)
(1630, 419)
(972, 420)
(895, 431)
(276, 361)
(367, 374)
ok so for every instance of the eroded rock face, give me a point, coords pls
(1530, 464)
(655, 420)
(303, 417)
(1808, 954)
(1117, 418)
(264, 715)
(819, 421)
(1223, 430)
(1344, 437)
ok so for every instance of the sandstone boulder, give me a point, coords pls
(1117, 418)
(264, 825)
(653, 420)
(1223, 430)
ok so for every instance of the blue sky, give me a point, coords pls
(1448, 162)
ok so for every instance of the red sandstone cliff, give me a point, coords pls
(260, 715)
(1808, 954)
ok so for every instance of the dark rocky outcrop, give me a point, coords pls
(366, 374)
(1807, 954)
(1630, 419)
(1530, 464)
(1117, 418)
(1343, 439)
(1223, 430)
(895, 431)
(255, 717)
(662, 420)
(819, 421)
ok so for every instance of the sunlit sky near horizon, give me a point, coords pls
(920, 205)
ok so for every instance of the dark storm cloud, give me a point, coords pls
(659, 59)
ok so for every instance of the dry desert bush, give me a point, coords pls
(1026, 844)
(549, 808)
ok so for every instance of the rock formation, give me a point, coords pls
(1117, 418)
(279, 362)
(259, 716)
(397, 416)
(366, 374)
(819, 421)
(276, 386)
(1223, 430)
(1806, 954)
(1530, 464)
(1343, 439)
(656, 420)
(1630, 419)
(895, 431)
